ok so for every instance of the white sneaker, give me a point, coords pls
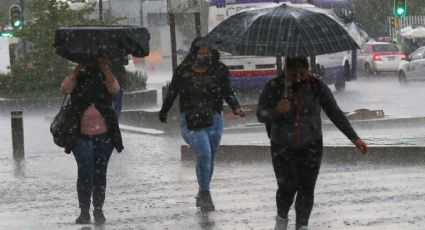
(281, 223)
(303, 228)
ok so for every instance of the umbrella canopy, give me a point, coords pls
(83, 44)
(285, 30)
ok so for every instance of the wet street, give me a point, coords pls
(150, 188)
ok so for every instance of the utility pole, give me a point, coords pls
(101, 10)
(24, 44)
(198, 24)
(172, 23)
(141, 12)
(22, 5)
(197, 18)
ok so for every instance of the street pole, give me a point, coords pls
(173, 40)
(17, 135)
(101, 10)
(198, 24)
(172, 22)
(22, 5)
(24, 44)
(141, 12)
(198, 19)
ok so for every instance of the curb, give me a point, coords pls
(410, 122)
(331, 154)
(137, 130)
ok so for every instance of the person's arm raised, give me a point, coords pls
(110, 80)
(70, 82)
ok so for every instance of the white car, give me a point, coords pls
(413, 68)
(376, 57)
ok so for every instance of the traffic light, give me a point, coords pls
(399, 8)
(15, 14)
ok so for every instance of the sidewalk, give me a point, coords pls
(150, 188)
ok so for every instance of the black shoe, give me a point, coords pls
(204, 201)
(98, 216)
(198, 198)
(84, 217)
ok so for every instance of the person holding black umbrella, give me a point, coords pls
(202, 82)
(91, 87)
(290, 106)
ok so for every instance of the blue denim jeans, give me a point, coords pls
(205, 143)
(92, 154)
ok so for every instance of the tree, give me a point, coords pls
(41, 70)
(373, 15)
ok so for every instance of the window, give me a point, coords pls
(385, 48)
(235, 67)
(265, 66)
(417, 55)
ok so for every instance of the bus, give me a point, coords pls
(254, 71)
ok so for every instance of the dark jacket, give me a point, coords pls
(302, 124)
(190, 97)
(91, 89)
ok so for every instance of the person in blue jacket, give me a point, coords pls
(291, 109)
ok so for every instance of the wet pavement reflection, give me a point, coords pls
(150, 188)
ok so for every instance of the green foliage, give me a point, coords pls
(41, 71)
(373, 15)
(135, 81)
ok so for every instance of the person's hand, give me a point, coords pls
(162, 117)
(361, 145)
(80, 67)
(240, 112)
(283, 106)
(104, 63)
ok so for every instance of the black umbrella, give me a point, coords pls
(83, 44)
(285, 30)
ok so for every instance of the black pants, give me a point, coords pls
(296, 173)
(92, 154)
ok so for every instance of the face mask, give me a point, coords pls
(203, 60)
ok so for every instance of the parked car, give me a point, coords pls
(376, 57)
(413, 68)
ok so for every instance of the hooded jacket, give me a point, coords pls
(190, 97)
(302, 124)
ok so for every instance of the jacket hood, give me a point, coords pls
(193, 52)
